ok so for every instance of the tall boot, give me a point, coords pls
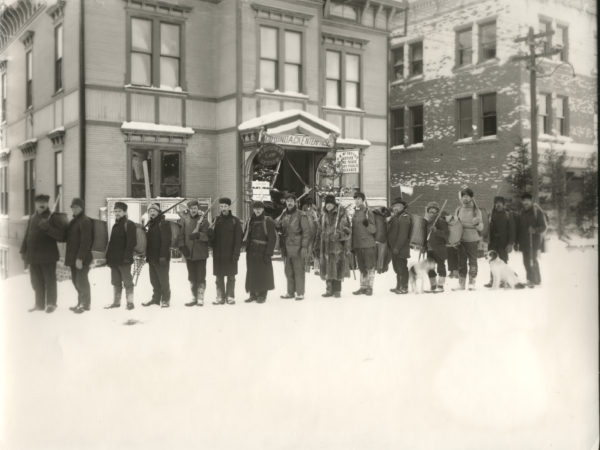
(328, 289)
(462, 281)
(440, 284)
(370, 282)
(363, 284)
(200, 294)
(129, 297)
(116, 298)
(194, 300)
(472, 281)
(433, 283)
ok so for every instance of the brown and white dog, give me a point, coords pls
(502, 274)
(418, 274)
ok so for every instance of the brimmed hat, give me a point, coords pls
(430, 205)
(154, 206)
(42, 198)
(500, 199)
(193, 203)
(289, 195)
(526, 195)
(225, 201)
(330, 199)
(467, 191)
(258, 204)
(399, 200)
(120, 205)
(77, 202)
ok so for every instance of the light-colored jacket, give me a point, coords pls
(470, 231)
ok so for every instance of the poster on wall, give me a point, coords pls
(261, 191)
(348, 160)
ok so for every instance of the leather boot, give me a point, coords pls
(129, 298)
(440, 284)
(472, 281)
(116, 298)
(433, 283)
(462, 281)
(194, 300)
(200, 294)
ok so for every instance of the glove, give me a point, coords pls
(509, 248)
(79, 264)
(366, 222)
(267, 258)
(162, 261)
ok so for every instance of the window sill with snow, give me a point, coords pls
(166, 90)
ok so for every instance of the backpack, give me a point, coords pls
(140, 239)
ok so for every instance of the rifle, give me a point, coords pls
(203, 215)
(162, 213)
(435, 221)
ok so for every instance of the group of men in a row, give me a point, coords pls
(332, 240)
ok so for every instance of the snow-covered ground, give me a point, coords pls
(473, 370)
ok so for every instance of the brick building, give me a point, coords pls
(459, 105)
(186, 89)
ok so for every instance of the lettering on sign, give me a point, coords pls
(349, 161)
(269, 154)
(297, 140)
(261, 191)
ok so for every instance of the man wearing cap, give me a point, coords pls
(502, 231)
(226, 240)
(119, 255)
(530, 225)
(295, 233)
(399, 231)
(334, 245)
(260, 237)
(193, 244)
(78, 254)
(40, 251)
(437, 238)
(158, 256)
(363, 244)
(472, 225)
(312, 214)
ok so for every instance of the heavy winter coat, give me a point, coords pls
(121, 244)
(226, 241)
(533, 217)
(502, 230)
(438, 239)
(80, 236)
(195, 243)
(363, 236)
(38, 246)
(399, 230)
(158, 240)
(470, 231)
(261, 238)
(295, 232)
(334, 244)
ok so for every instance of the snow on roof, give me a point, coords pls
(349, 142)
(156, 128)
(4, 151)
(264, 121)
(57, 130)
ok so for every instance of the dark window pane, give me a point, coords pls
(488, 112)
(416, 118)
(465, 118)
(138, 186)
(170, 174)
(464, 42)
(398, 127)
(487, 38)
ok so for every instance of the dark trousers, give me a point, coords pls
(334, 286)
(225, 290)
(120, 276)
(43, 281)
(502, 254)
(159, 278)
(196, 273)
(79, 277)
(440, 262)
(258, 294)
(452, 258)
(467, 259)
(400, 266)
(294, 272)
(532, 267)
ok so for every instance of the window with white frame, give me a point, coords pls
(342, 79)
(561, 40)
(397, 127)
(333, 88)
(58, 58)
(416, 58)
(487, 41)
(345, 11)
(163, 168)
(464, 47)
(292, 76)
(352, 81)
(543, 104)
(545, 26)
(58, 177)
(416, 124)
(488, 114)
(280, 59)
(561, 116)
(29, 182)
(29, 79)
(398, 63)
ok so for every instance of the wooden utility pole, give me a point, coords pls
(532, 41)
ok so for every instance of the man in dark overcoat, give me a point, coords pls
(40, 251)
(531, 225)
(399, 230)
(260, 237)
(226, 240)
(158, 256)
(78, 254)
(436, 228)
(364, 245)
(502, 231)
(119, 256)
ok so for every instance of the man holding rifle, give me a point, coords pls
(158, 256)
(363, 244)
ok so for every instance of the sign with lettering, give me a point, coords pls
(297, 140)
(261, 191)
(348, 161)
(269, 154)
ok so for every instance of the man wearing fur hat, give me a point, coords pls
(334, 237)
(502, 231)
(119, 256)
(40, 251)
(158, 256)
(193, 244)
(363, 244)
(472, 225)
(294, 228)
(260, 237)
(78, 255)
(226, 239)
(399, 231)
(437, 238)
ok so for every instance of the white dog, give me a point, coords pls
(502, 274)
(418, 274)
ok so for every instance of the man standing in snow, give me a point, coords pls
(502, 231)
(78, 255)
(40, 251)
(295, 238)
(260, 237)
(334, 236)
(531, 225)
(119, 256)
(226, 239)
(472, 225)
(437, 238)
(399, 231)
(363, 244)
(158, 256)
(193, 244)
